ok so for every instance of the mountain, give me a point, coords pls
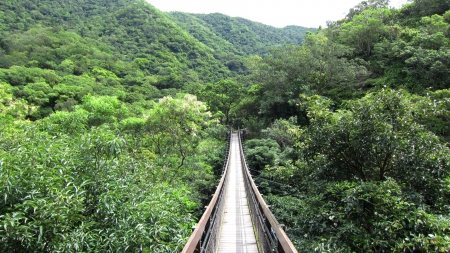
(248, 37)
(181, 47)
(126, 48)
(130, 28)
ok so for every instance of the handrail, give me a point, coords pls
(271, 235)
(201, 235)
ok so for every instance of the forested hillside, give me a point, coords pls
(132, 31)
(101, 147)
(350, 139)
(113, 120)
(250, 38)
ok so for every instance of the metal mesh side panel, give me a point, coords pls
(211, 242)
(216, 221)
(266, 240)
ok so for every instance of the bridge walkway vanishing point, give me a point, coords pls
(236, 234)
(237, 218)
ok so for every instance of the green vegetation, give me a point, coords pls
(100, 149)
(359, 115)
(367, 177)
(104, 149)
(102, 178)
(249, 38)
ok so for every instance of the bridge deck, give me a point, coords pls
(237, 234)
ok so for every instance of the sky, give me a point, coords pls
(278, 13)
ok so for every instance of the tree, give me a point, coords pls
(103, 109)
(223, 96)
(328, 66)
(319, 66)
(261, 152)
(367, 5)
(364, 30)
(375, 138)
(39, 93)
(370, 176)
(280, 131)
(428, 7)
(176, 126)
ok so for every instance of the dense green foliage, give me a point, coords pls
(248, 37)
(222, 97)
(101, 178)
(360, 114)
(370, 177)
(131, 30)
(109, 162)
(102, 149)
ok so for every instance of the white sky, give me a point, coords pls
(278, 13)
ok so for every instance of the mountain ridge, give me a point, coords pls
(172, 43)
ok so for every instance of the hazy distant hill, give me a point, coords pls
(251, 37)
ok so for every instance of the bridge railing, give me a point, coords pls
(205, 236)
(270, 234)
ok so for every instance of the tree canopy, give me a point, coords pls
(113, 117)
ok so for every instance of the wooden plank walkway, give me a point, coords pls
(237, 234)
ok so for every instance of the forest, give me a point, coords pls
(114, 115)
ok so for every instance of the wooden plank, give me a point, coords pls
(237, 234)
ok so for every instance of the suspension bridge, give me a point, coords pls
(237, 219)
